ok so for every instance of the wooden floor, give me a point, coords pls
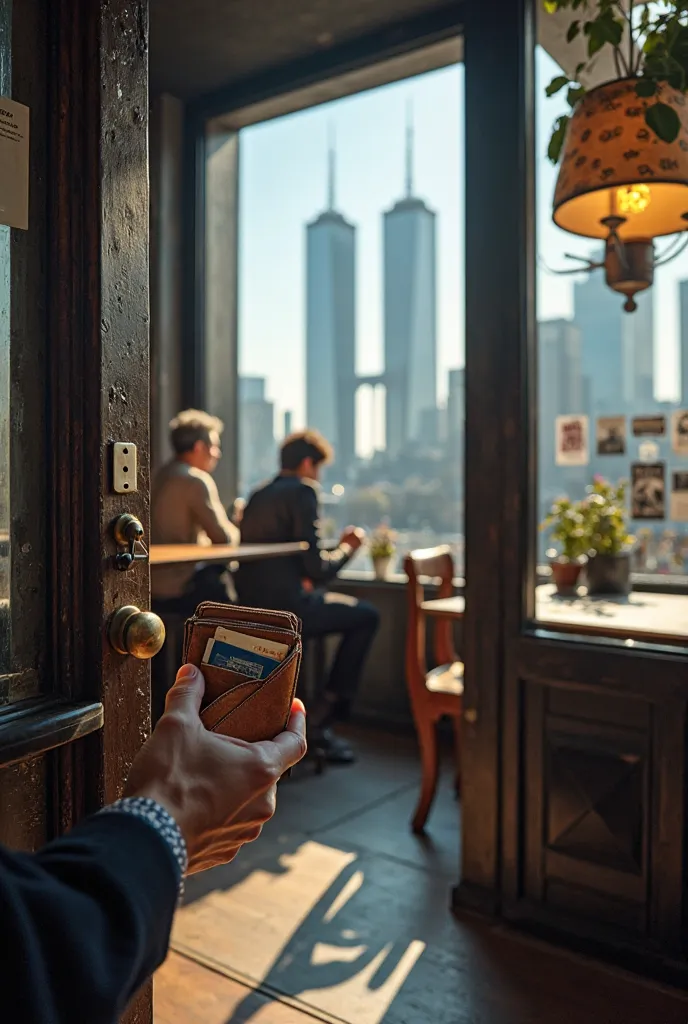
(339, 914)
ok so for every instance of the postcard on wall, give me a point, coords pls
(571, 443)
(679, 432)
(648, 451)
(611, 435)
(648, 490)
(14, 161)
(649, 426)
(679, 497)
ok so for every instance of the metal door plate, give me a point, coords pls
(124, 467)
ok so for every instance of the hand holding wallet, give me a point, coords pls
(238, 702)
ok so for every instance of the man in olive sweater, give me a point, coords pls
(186, 509)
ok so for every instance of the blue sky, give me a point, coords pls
(283, 185)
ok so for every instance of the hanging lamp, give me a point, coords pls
(618, 181)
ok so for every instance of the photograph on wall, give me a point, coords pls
(679, 432)
(611, 435)
(571, 443)
(679, 497)
(648, 490)
(649, 426)
(648, 451)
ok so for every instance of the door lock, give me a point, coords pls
(128, 533)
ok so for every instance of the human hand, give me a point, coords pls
(219, 790)
(353, 537)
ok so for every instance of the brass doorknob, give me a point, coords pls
(138, 633)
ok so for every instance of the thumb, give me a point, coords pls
(187, 692)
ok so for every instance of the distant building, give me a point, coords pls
(617, 348)
(331, 327)
(410, 315)
(256, 433)
(560, 391)
(683, 327)
(456, 404)
(287, 423)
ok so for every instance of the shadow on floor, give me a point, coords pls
(345, 913)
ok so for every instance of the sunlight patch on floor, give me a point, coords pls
(298, 931)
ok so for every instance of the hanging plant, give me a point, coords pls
(649, 43)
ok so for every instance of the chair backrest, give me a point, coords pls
(435, 564)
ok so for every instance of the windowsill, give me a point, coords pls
(642, 582)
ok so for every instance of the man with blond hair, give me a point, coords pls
(186, 509)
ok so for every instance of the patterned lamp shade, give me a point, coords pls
(614, 165)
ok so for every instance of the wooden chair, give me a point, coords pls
(436, 692)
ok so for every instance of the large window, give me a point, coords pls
(351, 303)
(613, 383)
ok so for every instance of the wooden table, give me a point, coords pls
(445, 607)
(181, 554)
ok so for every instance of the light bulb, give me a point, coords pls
(633, 198)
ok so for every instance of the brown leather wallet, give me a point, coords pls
(234, 705)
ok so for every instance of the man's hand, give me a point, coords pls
(220, 791)
(352, 537)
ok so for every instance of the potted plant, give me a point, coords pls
(566, 523)
(382, 549)
(609, 542)
(649, 43)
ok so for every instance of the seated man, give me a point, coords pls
(286, 509)
(186, 509)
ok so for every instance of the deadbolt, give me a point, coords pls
(128, 533)
(138, 633)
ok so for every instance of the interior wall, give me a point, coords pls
(166, 211)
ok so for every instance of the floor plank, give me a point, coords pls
(187, 993)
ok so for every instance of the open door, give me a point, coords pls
(73, 383)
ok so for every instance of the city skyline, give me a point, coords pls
(284, 183)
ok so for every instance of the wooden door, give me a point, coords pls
(73, 380)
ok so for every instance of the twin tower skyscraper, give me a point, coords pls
(410, 322)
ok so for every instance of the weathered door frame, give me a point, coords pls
(88, 246)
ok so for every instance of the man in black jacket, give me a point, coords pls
(286, 509)
(85, 920)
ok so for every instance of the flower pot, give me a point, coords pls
(609, 575)
(566, 575)
(381, 565)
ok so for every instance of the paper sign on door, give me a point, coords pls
(14, 164)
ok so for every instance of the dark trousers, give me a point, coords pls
(357, 623)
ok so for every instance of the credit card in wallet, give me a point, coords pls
(237, 659)
(268, 648)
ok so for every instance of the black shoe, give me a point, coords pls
(333, 748)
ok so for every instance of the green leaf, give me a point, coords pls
(574, 29)
(556, 85)
(611, 30)
(551, 6)
(646, 88)
(663, 121)
(579, 67)
(575, 95)
(556, 143)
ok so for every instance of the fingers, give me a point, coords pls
(291, 744)
(187, 693)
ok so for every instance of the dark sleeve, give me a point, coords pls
(84, 921)
(318, 565)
